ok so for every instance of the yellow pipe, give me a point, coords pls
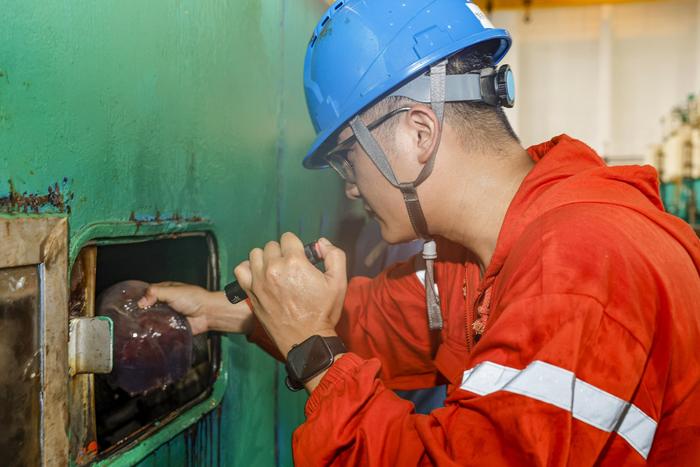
(521, 4)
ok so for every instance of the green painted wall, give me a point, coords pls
(173, 108)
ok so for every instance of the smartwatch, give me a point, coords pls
(311, 357)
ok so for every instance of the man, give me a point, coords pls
(560, 303)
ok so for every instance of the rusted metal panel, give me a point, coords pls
(43, 242)
(54, 258)
(20, 363)
(83, 444)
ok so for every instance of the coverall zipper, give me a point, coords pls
(469, 312)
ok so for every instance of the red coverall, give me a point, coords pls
(590, 355)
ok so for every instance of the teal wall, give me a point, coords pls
(174, 109)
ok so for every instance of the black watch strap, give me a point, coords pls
(334, 344)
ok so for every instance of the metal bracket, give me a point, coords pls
(90, 344)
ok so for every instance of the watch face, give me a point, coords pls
(309, 358)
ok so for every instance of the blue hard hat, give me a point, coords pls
(363, 49)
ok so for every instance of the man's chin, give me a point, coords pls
(394, 237)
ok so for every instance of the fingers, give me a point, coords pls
(272, 250)
(161, 292)
(291, 245)
(257, 265)
(323, 246)
(244, 275)
(264, 263)
(149, 299)
(333, 260)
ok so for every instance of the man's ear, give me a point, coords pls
(425, 128)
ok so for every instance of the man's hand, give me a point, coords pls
(291, 298)
(205, 310)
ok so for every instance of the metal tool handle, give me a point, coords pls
(235, 293)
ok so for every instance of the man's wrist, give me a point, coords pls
(309, 360)
(311, 384)
(289, 342)
(221, 315)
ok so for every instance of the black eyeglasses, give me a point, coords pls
(337, 157)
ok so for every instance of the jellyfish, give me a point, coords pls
(152, 346)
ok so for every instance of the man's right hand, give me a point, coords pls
(205, 310)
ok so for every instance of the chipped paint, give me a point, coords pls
(157, 219)
(33, 203)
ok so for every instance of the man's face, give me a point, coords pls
(380, 199)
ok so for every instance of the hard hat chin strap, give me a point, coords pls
(378, 157)
(408, 189)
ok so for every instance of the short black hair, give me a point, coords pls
(479, 124)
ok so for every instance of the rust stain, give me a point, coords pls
(87, 453)
(159, 219)
(78, 281)
(52, 245)
(132, 218)
(54, 199)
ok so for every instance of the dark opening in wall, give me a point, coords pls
(189, 258)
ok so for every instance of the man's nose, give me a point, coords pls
(351, 191)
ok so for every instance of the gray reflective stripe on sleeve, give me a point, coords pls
(420, 274)
(561, 388)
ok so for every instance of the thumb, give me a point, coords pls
(334, 261)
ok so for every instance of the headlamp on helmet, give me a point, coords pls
(490, 85)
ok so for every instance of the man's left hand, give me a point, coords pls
(291, 298)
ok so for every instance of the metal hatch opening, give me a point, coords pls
(120, 420)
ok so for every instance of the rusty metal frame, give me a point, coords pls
(83, 444)
(43, 241)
